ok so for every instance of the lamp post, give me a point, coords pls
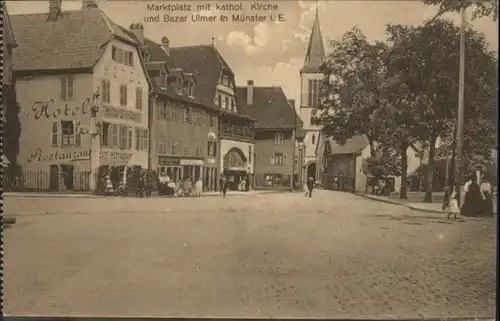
(460, 119)
(292, 178)
(94, 132)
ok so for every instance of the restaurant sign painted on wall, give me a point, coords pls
(39, 156)
(120, 113)
(115, 156)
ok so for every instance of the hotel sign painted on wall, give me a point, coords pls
(121, 113)
(47, 110)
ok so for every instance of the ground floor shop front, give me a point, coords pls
(72, 170)
(183, 168)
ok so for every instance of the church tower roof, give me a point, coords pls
(315, 54)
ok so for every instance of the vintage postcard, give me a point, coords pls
(262, 159)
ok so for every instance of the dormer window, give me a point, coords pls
(225, 80)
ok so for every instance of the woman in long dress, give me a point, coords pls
(198, 186)
(473, 200)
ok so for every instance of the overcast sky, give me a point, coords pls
(269, 53)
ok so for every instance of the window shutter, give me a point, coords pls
(284, 159)
(70, 81)
(76, 133)
(114, 135)
(63, 88)
(138, 139)
(55, 133)
(272, 158)
(129, 142)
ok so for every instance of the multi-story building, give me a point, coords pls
(10, 138)
(83, 95)
(278, 131)
(183, 141)
(311, 77)
(216, 88)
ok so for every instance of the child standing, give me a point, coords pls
(454, 208)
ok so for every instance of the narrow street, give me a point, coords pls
(271, 255)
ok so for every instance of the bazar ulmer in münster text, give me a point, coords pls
(200, 18)
(209, 6)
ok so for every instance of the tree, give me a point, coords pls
(401, 102)
(430, 56)
(350, 91)
(480, 8)
(384, 163)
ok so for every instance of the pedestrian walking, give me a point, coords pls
(222, 181)
(310, 186)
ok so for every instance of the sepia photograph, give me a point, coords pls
(250, 159)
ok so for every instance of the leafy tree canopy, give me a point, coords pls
(480, 8)
(354, 71)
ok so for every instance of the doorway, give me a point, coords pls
(54, 178)
(311, 170)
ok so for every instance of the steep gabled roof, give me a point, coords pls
(270, 108)
(206, 65)
(9, 37)
(352, 146)
(77, 39)
(315, 54)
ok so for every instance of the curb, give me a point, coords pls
(380, 199)
(416, 208)
(410, 206)
(425, 210)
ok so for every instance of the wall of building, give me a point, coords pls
(305, 113)
(39, 98)
(174, 131)
(265, 146)
(361, 178)
(112, 112)
(245, 148)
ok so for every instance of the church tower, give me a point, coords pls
(310, 77)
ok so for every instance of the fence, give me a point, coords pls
(39, 181)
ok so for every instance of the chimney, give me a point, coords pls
(165, 44)
(292, 103)
(249, 92)
(138, 30)
(55, 7)
(89, 4)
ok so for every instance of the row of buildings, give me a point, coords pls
(92, 95)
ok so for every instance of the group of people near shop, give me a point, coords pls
(185, 187)
(233, 182)
(478, 199)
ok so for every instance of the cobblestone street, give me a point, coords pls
(270, 255)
